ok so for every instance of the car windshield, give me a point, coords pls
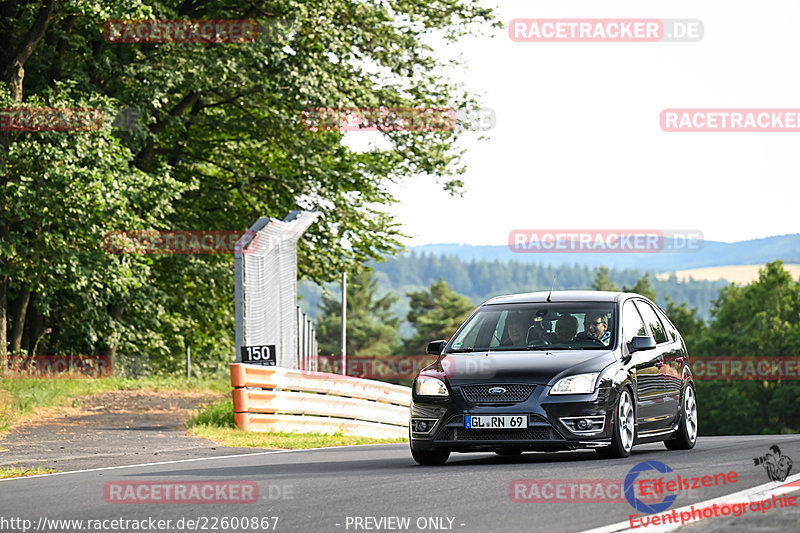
(539, 326)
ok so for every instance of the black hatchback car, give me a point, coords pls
(556, 371)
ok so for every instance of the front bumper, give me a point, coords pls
(552, 421)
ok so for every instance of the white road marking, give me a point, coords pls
(763, 492)
(195, 459)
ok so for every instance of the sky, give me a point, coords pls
(578, 145)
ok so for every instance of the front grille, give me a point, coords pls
(480, 393)
(531, 433)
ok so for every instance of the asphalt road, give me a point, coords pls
(337, 489)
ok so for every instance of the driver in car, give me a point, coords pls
(595, 325)
(517, 326)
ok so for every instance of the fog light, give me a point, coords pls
(583, 424)
(422, 426)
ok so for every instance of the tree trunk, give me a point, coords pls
(116, 311)
(35, 329)
(19, 308)
(13, 71)
(3, 322)
(144, 159)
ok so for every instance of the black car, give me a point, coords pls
(556, 371)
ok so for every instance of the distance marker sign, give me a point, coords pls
(260, 355)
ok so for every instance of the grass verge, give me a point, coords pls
(12, 471)
(215, 422)
(20, 397)
(291, 441)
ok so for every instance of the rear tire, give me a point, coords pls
(430, 457)
(623, 431)
(686, 435)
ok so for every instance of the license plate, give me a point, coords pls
(496, 421)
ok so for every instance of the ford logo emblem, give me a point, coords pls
(497, 390)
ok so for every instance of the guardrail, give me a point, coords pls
(268, 398)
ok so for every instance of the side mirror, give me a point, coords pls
(640, 343)
(436, 347)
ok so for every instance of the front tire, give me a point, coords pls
(686, 436)
(430, 457)
(623, 430)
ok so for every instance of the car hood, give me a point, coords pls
(535, 367)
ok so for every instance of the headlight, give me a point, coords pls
(579, 384)
(428, 386)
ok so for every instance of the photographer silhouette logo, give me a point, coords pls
(776, 464)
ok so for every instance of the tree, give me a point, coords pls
(691, 328)
(760, 319)
(219, 144)
(436, 313)
(601, 280)
(642, 287)
(371, 326)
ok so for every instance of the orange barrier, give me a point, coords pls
(268, 398)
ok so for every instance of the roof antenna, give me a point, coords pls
(551, 288)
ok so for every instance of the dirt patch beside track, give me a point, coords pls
(111, 429)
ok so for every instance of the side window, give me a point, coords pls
(632, 324)
(672, 333)
(497, 334)
(652, 320)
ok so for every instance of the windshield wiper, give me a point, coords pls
(546, 347)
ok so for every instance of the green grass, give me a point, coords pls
(12, 471)
(218, 414)
(245, 439)
(215, 422)
(20, 397)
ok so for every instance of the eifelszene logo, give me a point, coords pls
(637, 503)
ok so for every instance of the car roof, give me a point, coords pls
(561, 296)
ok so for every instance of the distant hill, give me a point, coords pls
(739, 274)
(481, 272)
(712, 253)
(480, 280)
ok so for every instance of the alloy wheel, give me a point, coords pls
(690, 413)
(625, 421)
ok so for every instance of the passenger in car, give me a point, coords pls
(566, 328)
